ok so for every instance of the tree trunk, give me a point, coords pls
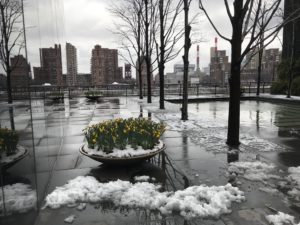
(187, 45)
(139, 56)
(162, 57)
(6, 57)
(234, 105)
(8, 84)
(292, 62)
(260, 53)
(233, 132)
(148, 62)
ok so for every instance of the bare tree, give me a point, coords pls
(150, 17)
(244, 32)
(170, 32)
(129, 29)
(185, 57)
(11, 41)
(136, 29)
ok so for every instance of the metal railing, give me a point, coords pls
(132, 90)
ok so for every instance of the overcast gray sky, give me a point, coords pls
(85, 23)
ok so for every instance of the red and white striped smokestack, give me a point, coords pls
(198, 58)
(216, 44)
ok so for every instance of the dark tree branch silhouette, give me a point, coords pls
(245, 33)
(131, 35)
(169, 34)
(11, 41)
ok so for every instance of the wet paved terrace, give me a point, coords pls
(196, 154)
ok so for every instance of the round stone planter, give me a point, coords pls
(128, 160)
(9, 161)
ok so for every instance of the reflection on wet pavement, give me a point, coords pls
(194, 156)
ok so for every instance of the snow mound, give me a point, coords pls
(294, 181)
(281, 219)
(254, 171)
(70, 219)
(196, 201)
(141, 178)
(17, 198)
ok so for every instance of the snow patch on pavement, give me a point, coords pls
(254, 171)
(18, 198)
(294, 182)
(213, 133)
(70, 219)
(281, 219)
(196, 201)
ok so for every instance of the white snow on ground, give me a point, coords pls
(141, 178)
(212, 133)
(254, 171)
(17, 198)
(281, 219)
(127, 152)
(81, 206)
(6, 159)
(294, 182)
(195, 201)
(70, 219)
(272, 191)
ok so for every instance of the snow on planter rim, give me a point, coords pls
(195, 201)
(128, 152)
(7, 159)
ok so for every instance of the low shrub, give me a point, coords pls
(296, 86)
(8, 141)
(119, 133)
(279, 87)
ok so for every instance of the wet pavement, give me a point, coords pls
(194, 155)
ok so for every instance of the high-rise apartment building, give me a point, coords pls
(128, 74)
(51, 67)
(219, 66)
(252, 60)
(71, 56)
(20, 74)
(104, 66)
(270, 61)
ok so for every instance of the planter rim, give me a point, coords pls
(13, 161)
(121, 160)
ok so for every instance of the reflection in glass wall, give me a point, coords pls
(24, 132)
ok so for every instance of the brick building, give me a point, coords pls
(270, 61)
(219, 66)
(51, 67)
(71, 56)
(21, 71)
(104, 66)
(128, 74)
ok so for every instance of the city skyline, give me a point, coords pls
(69, 27)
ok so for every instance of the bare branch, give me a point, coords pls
(201, 7)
